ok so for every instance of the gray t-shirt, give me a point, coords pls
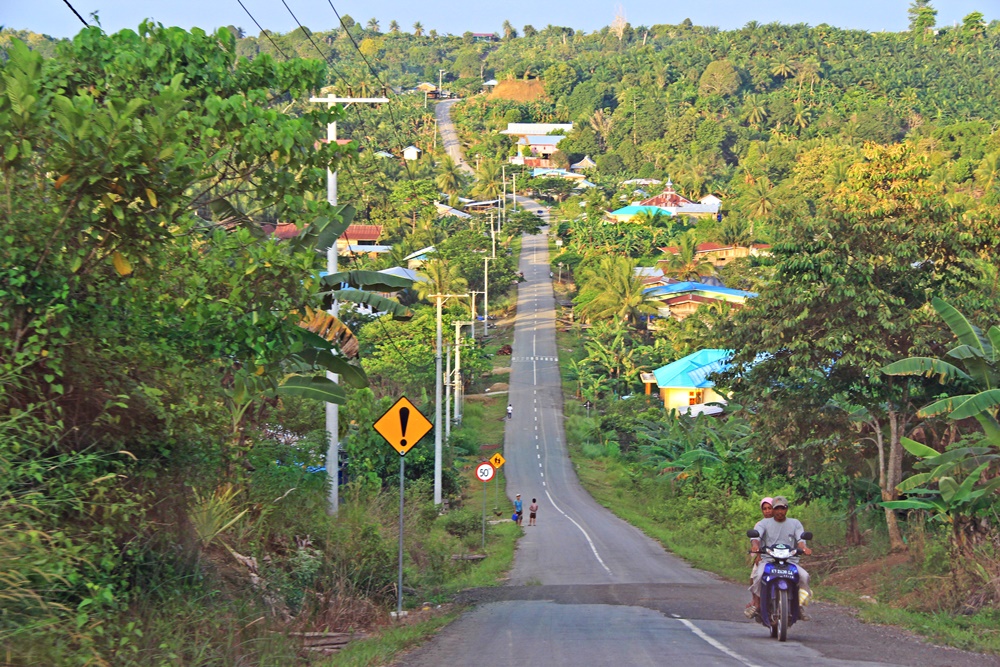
(774, 532)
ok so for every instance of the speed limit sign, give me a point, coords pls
(485, 471)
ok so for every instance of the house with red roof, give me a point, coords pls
(677, 204)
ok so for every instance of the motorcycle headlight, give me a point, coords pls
(782, 553)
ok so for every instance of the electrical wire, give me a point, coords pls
(392, 116)
(73, 9)
(264, 32)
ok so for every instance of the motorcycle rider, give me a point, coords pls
(779, 529)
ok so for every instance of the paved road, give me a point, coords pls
(449, 137)
(587, 589)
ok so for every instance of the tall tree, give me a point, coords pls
(922, 16)
(848, 296)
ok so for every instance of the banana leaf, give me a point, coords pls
(317, 387)
(378, 303)
(946, 373)
(985, 401)
(366, 280)
(943, 406)
(914, 504)
(918, 449)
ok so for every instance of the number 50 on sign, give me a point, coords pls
(485, 471)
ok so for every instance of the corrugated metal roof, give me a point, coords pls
(692, 371)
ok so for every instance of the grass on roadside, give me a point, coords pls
(386, 645)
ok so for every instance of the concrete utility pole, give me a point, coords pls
(502, 213)
(440, 72)
(332, 413)
(439, 298)
(474, 293)
(459, 388)
(448, 389)
(486, 294)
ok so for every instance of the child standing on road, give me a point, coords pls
(518, 508)
(532, 509)
(510, 411)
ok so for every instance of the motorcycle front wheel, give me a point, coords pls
(772, 611)
(782, 615)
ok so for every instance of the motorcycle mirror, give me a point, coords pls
(807, 535)
(753, 534)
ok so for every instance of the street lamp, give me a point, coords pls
(560, 272)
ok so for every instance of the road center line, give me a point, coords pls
(589, 541)
(716, 644)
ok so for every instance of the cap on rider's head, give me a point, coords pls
(780, 501)
(519, 495)
(767, 501)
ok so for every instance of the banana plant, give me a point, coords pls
(973, 375)
(962, 492)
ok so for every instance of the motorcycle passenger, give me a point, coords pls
(779, 529)
(767, 511)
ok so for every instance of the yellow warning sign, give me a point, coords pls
(497, 460)
(402, 425)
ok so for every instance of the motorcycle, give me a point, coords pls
(779, 587)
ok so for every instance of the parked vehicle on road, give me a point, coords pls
(779, 592)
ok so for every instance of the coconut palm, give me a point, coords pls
(755, 112)
(439, 277)
(601, 122)
(685, 263)
(761, 197)
(373, 25)
(782, 67)
(449, 176)
(393, 26)
(488, 184)
(610, 289)
(418, 29)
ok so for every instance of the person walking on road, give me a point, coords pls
(518, 508)
(510, 411)
(532, 510)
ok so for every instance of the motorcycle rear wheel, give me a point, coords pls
(782, 615)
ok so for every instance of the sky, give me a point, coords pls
(54, 17)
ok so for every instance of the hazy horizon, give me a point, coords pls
(54, 18)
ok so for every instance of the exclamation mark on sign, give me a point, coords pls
(404, 416)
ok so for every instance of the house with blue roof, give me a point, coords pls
(683, 385)
(628, 212)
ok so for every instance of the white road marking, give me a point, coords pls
(589, 541)
(716, 644)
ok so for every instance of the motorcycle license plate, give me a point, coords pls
(781, 573)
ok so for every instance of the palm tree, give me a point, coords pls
(801, 119)
(761, 197)
(373, 25)
(755, 112)
(610, 289)
(508, 31)
(449, 176)
(685, 263)
(782, 67)
(808, 73)
(438, 277)
(393, 26)
(418, 29)
(601, 123)
(988, 171)
(487, 180)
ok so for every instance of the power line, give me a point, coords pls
(392, 116)
(264, 32)
(73, 9)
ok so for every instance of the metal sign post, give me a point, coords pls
(402, 426)
(485, 472)
(497, 460)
